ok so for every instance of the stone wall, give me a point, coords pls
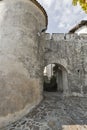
(20, 68)
(70, 51)
(25, 51)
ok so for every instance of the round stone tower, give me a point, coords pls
(20, 61)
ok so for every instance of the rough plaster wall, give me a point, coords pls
(20, 69)
(70, 51)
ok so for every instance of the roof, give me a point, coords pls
(81, 24)
(42, 9)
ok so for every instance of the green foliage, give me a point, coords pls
(83, 4)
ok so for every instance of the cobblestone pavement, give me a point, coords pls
(53, 113)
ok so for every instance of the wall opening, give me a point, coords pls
(55, 78)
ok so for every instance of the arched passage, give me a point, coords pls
(55, 78)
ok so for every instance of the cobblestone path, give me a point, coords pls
(55, 113)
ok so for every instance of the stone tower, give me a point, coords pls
(20, 70)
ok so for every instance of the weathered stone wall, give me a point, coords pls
(70, 51)
(25, 51)
(20, 68)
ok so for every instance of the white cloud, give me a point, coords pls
(46, 3)
(61, 25)
(62, 14)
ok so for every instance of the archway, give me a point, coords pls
(55, 78)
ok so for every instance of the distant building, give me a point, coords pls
(81, 28)
(48, 71)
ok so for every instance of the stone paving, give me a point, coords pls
(55, 112)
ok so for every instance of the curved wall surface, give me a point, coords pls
(20, 68)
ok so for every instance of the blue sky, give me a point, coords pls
(62, 15)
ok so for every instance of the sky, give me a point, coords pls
(62, 15)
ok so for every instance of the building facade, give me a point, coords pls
(81, 28)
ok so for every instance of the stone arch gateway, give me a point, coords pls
(61, 76)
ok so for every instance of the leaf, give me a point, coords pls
(82, 3)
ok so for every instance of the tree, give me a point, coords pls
(83, 4)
